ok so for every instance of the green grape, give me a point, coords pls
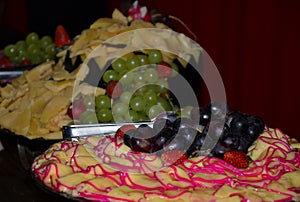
(51, 50)
(175, 69)
(15, 59)
(132, 62)
(155, 110)
(139, 78)
(36, 59)
(32, 38)
(164, 103)
(120, 108)
(110, 75)
(33, 50)
(125, 97)
(20, 45)
(10, 50)
(143, 59)
(132, 116)
(150, 97)
(118, 119)
(104, 116)
(102, 102)
(88, 117)
(48, 57)
(142, 116)
(152, 88)
(155, 57)
(23, 54)
(45, 41)
(137, 103)
(151, 75)
(162, 86)
(89, 102)
(119, 65)
(127, 78)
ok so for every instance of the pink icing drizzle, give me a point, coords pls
(270, 168)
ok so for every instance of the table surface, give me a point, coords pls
(16, 183)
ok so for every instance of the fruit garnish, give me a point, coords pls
(164, 69)
(114, 89)
(237, 158)
(173, 157)
(62, 38)
(137, 12)
(123, 129)
(5, 62)
(76, 109)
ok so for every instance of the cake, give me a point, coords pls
(103, 168)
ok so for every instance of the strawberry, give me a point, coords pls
(76, 109)
(164, 69)
(61, 37)
(25, 62)
(5, 62)
(114, 89)
(175, 156)
(123, 129)
(236, 158)
(137, 12)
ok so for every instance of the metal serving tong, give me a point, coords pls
(84, 130)
(75, 131)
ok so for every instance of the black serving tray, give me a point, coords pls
(25, 149)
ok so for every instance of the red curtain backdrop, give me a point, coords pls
(255, 45)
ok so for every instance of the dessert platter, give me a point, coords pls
(123, 72)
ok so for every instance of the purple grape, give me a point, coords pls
(231, 141)
(127, 137)
(188, 134)
(253, 131)
(140, 145)
(218, 109)
(238, 126)
(205, 116)
(255, 120)
(183, 122)
(219, 150)
(145, 131)
(160, 124)
(245, 142)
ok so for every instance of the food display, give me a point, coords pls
(168, 163)
(128, 69)
(39, 102)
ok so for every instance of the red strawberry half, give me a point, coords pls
(237, 158)
(173, 157)
(114, 89)
(164, 69)
(61, 36)
(123, 129)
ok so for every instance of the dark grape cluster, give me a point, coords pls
(233, 129)
(227, 129)
(169, 133)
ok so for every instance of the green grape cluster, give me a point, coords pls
(33, 49)
(144, 92)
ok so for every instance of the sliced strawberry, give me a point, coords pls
(173, 157)
(123, 129)
(114, 89)
(61, 36)
(237, 158)
(164, 69)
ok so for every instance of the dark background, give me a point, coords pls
(255, 44)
